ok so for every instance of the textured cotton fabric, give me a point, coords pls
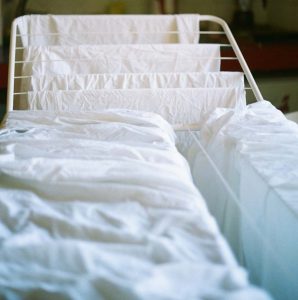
(134, 81)
(102, 206)
(129, 58)
(108, 29)
(256, 152)
(180, 107)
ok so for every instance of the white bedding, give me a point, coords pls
(108, 29)
(133, 58)
(180, 107)
(102, 206)
(256, 151)
(133, 81)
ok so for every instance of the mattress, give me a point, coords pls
(101, 205)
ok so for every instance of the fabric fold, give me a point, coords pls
(188, 26)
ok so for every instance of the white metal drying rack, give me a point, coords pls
(226, 30)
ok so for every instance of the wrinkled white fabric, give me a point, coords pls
(256, 151)
(188, 28)
(108, 29)
(134, 81)
(102, 206)
(140, 58)
(179, 107)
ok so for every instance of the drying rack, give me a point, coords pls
(16, 45)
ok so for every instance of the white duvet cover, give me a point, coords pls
(102, 206)
(256, 151)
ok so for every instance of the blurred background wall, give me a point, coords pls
(280, 13)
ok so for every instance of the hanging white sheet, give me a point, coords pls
(65, 30)
(134, 81)
(52, 60)
(179, 107)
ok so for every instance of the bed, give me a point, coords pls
(96, 200)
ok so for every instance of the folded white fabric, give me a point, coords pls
(179, 107)
(53, 60)
(108, 29)
(134, 80)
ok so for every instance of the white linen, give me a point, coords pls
(101, 205)
(256, 150)
(90, 59)
(108, 29)
(134, 81)
(188, 28)
(179, 107)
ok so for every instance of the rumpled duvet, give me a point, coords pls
(102, 206)
(256, 150)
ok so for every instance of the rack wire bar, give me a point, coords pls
(238, 53)
(11, 66)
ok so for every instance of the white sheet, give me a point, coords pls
(108, 29)
(90, 59)
(134, 81)
(179, 107)
(256, 150)
(100, 205)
